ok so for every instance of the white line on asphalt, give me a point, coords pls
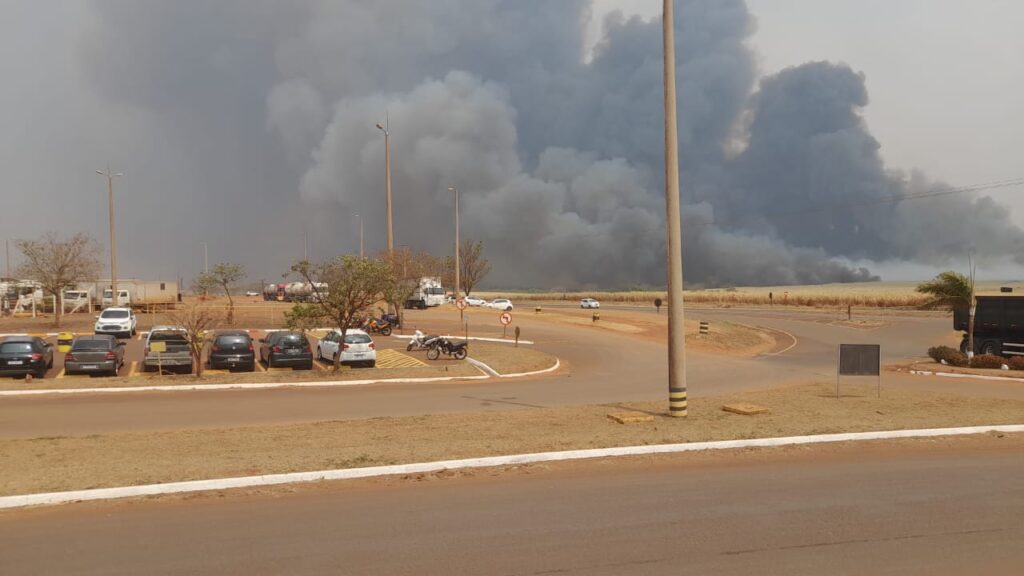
(489, 462)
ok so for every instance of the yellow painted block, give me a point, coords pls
(631, 417)
(745, 409)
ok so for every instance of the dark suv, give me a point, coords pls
(21, 355)
(233, 350)
(286, 350)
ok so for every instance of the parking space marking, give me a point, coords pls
(133, 368)
(60, 374)
(260, 368)
(388, 358)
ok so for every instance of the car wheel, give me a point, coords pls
(371, 364)
(991, 347)
(509, 309)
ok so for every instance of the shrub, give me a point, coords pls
(952, 356)
(1016, 362)
(987, 361)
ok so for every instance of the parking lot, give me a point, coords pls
(390, 354)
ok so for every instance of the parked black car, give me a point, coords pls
(233, 350)
(286, 350)
(21, 355)
(96, 354)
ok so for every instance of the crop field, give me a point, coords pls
(861, 294)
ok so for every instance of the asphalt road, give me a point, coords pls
(925, 507)
(602, 366)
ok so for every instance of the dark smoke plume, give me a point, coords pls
(271, 107)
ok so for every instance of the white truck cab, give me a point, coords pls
(124, 299)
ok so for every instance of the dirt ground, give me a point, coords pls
(67, 463)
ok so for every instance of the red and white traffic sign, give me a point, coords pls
(506, 318)
(461, 303)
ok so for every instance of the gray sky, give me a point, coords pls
(246, 124)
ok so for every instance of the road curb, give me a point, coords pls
(492, 371)
(239, 386)
(960, 375)
(457, 337)
(52, 498)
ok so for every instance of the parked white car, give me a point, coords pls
(500, 304)
(358, 348)
(474, 301)
(589, 303)
(120, 322)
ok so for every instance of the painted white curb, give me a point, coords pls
(457, 337)
(971, 376)
(494, 372)
(351, 473)
(239, 386)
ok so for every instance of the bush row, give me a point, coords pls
(954, 357)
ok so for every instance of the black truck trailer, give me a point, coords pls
(998, 325)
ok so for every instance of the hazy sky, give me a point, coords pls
(945, 77)
(246, 124)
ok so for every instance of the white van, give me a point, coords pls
(124, 300)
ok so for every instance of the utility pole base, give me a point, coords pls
(677, 402)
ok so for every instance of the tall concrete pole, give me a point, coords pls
(113, 243)
(360, 236)
(676, 331)
(458, 267)
(387, 168)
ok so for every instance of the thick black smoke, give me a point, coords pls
(271, 107)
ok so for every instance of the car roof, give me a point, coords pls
(167, 329)
(351, 331)
(95, 337)
(20, 339)
(116, 309)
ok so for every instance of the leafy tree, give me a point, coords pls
(473, 267)
(951, 290)
(223, 276)
(197, 321)
(407, 267)
(58, 264)
(353, 285)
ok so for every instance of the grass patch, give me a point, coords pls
(68, 463)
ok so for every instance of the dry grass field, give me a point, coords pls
(860, 294)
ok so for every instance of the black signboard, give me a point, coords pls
(860, 360)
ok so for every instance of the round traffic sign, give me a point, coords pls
(461, 303)
(506, 318)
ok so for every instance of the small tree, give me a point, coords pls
(223, 276)
(196, 320)
(951, 290)
(58, 265)
(407, 267)
(353, 285)
(473, 267)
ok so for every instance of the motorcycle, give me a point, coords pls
(421, 341)
(392, 319)
(457, 350)
(377, 326)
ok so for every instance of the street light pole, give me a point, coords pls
(676, 330)
(113, 243)
(458, 283)
(360, 236)
(387, 168)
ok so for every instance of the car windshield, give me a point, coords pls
(15, 347)
(232, 339)
(167, 336)
(114, 314)
(292, 339)
(90, 344)
(357, 339)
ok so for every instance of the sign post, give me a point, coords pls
(461, 304)
(159, 348)
(505, 319)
